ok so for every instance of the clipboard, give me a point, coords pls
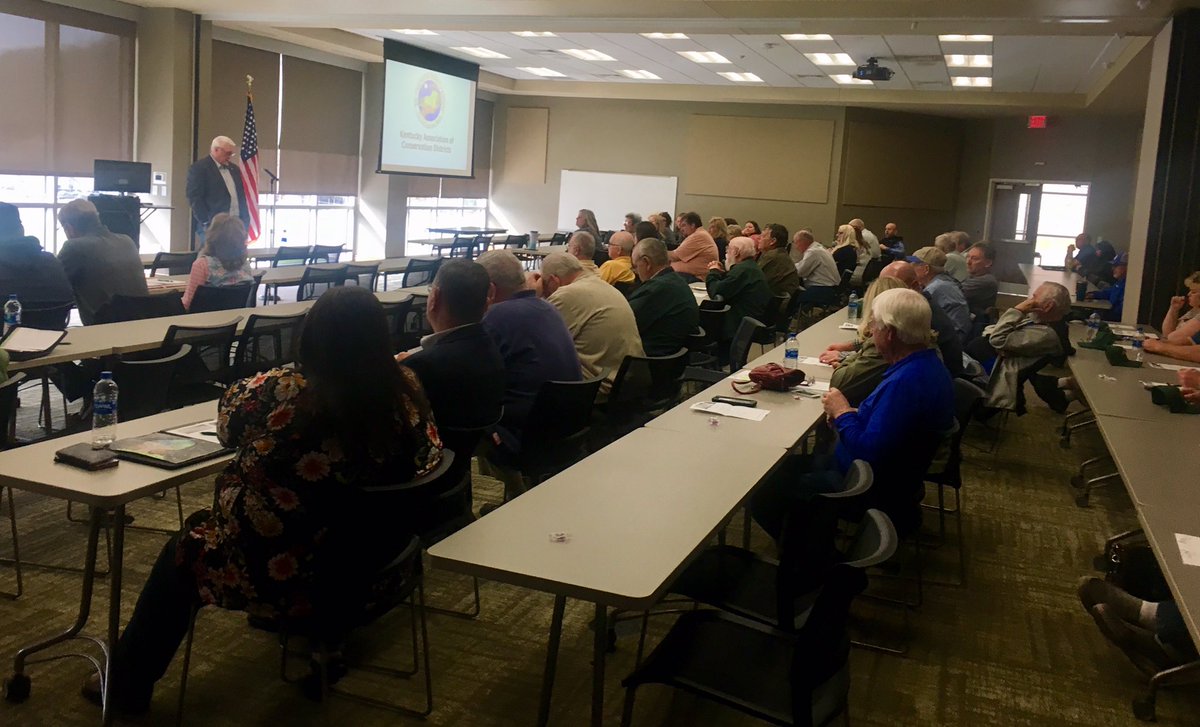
(24, 343)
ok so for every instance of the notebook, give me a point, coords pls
(167, 450)
(23, 343)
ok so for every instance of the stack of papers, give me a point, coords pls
(813, 361)
(849, 326)
(729, 410)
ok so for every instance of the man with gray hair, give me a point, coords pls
(582, 246)
(619, 266)
(817, 270)
(663, 305)
(740, 284)
(598, 317)
(954, 244)
(1025, 338)
(929, 263)
(214, 185)
(896, 430)
(99, 263)
(870, 241)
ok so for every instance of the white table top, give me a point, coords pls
(33, 468)
(635, 512)
(1035, 275)
(1161, 523)
(1148, 456)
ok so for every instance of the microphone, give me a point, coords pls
(271, 174)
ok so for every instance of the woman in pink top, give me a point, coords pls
(222, 262)
(697, 250)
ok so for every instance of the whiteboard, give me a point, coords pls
(612, 196)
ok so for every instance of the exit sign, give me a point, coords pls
(1037, 122)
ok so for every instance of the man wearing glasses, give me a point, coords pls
(214, 185)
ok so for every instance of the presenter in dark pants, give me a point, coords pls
(214, 185)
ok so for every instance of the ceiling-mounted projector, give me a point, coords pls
(872, 71)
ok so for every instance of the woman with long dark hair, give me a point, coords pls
(347, 416)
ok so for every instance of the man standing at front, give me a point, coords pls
(214, 185)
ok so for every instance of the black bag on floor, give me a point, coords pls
(1133, 568)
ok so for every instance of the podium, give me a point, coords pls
(120, 213)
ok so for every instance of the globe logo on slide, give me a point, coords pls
(430, 102)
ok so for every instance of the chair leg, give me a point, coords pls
(187, 661)
(627, 709)
(12, 522)
(1143, 708)
(1084, 498)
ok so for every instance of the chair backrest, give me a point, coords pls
(211, 297)
(323, 277)
(397, 317)
(481, 242)
(211, 347)
(145, 383)
(267, 342)
(774, 309)
(53, 317)
(627, 288)
(420, 272)
(647, 382)
(141, 307)
(8, 406)
(874, 267)
(513, 241)
(356, 273)
(697, 340)
(558, 238)
(325, 253)
(285, 256)
(174, 263)
(561, 410)
(463, 247)
(875, 541)
(856, 482)
(739, 347)
(712, 320)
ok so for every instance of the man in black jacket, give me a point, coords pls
(664, 306)
(214, 185)
(34, 275)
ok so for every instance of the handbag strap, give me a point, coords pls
(751, 387)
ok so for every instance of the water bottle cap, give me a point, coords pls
(106, 374)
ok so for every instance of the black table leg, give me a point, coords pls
(560, 604)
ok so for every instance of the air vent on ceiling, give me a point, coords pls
(917, 60)
(541, 51)
(803, 76)
(931, 84)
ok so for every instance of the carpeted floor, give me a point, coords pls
(1013, 647)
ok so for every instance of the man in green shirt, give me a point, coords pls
(773, 259)
(664, 305)
(742, 286)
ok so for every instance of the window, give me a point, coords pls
(306, 219)
(38, 199)
(1063, 210)
(427, 212)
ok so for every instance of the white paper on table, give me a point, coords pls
(729, 410)
(739, 377)
(1171, 367)
(813, 386)
(813, 361)
(1189, 548)
(205, 431)
(849, 326)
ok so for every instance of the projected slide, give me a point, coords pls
(428, 120)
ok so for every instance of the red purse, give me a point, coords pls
(773, 377)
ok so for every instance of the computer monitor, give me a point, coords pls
(110, 175)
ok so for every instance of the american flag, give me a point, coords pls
(250, 167)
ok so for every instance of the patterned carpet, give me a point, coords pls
(1013, 647)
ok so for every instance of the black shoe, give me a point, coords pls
(94, 693)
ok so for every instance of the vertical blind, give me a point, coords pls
(321, 128)
(231, 64)
(457, 187)
(67, 76)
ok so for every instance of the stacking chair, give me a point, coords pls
(317, 280)
(267, 342)
(643, 387)
(420, 272)
(52, 317)
(712, 321)
(517, 241)
(871, 272)
(287, 256)
(201, 374)
(558, 238)
(210, 297)
(463, 247)
(397, 315)
(325, 254)
(173, 263)
(739, 353)
(141, 307)
(356, 273)
(775, 310)
(8, 412)
(967, 399)
(481, 243)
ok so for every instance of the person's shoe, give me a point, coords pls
(1095, 591)
(1138, 644)
(93, 691)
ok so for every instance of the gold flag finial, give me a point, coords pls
(249, 82)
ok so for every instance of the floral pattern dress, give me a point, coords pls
(256, 551)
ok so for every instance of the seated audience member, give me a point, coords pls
(1179, 327)
(662, 224)
(534, 343)
(663, 305)
(582, 247)
(1189, 385)
(720, 234)
(99, 263)
(751, 230)
(1115, 294)
(866, 238)
(1152, 634)
(897, 429)
(848, 251)
(698, 249)
(858, 367)
(646, 231)
(222, 263)
(598, 317)
(1180, 351)
(1082, 256)
(741, 285)
(631, 222)
(956, 262)
(929, 263)
(585, 221)
(892, 243)
(348, 415)
(817, 271)
(619, 268)
(34, 275)
(774, 261)
(981, 288)
(1025, 335)
(948, 344)
(459, 365)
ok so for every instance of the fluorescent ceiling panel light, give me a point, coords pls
(665, 36)
(543, 72)
(640, 75)
(971, 81)
(806, 36)
(533, 33)
(958, 60)
(847, 80)
(830, 59)
(965, 38)
(479, 52)
(703, 56)
(741, 77)
(587, 54)
(413, 31)
(1083, 21)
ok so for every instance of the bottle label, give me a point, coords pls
(104, 408)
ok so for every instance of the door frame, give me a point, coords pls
(992, 182)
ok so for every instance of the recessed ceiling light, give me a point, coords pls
(640, 75)
(533, 33)
(587, 54)
(830, 59)
(971, 81)
(543, 72)
(413, 31)
(965, 38)
(847, 80)
(805, 36)
(479, 52)
(665, 36)
(741, 77)
(703, 56)
(964, 61)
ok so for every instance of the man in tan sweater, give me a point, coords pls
(597, 315)
(696, 251)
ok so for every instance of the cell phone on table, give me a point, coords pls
(735, 401)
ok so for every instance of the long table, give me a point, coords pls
(1035, 275)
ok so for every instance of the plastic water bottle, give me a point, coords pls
(853, 308)
(1093, 325)
(104, 411)
(283, 239)
(1139, 339)
(12, 313)
(791, 353)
